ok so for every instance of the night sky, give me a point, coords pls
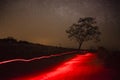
(45, 21)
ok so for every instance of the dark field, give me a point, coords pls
(12, 49)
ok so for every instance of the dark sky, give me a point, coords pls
(45, 21)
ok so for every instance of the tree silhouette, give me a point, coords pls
(84, 30)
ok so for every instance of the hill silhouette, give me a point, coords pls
(11, 48)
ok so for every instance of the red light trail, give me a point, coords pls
(81, 67)
(36, 58)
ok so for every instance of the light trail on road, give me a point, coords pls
(80, 67)
(35, 58)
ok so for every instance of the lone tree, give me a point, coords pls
(84, 30)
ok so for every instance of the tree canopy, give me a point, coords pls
(84, 30)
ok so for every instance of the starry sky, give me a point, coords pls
(45, 21)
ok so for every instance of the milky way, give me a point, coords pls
(42, 21)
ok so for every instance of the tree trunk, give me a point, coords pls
(80, 44)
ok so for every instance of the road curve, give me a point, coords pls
(80, 67)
